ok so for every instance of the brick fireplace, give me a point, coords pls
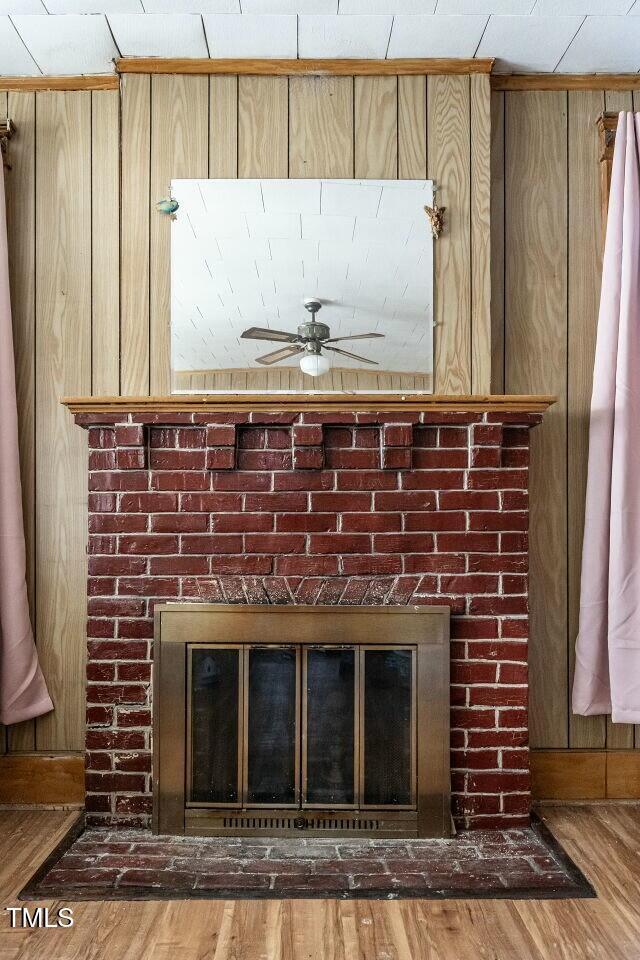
(389, 505)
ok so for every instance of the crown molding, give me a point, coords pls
(275, 68)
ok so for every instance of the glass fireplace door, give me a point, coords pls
(302, 726)
(329, 727)
(272, 732)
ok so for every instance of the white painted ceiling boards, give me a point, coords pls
(84, 36)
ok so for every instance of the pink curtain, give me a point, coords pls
(23, 692)
(607, 674)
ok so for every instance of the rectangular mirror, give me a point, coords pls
(301, 286)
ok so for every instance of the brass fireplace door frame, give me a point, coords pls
(181, 626)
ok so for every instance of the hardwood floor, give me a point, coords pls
(603, 839)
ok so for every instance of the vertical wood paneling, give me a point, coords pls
(480, 93)
(536, 362)
(497, 242)
(584, 267)
(619, 735)
(263, 126)
(20, 197)
(448, 163)
(134, 236)
(105, 242)
(179, 148)
(412, 128)
(90, 195)
(375, 104)
(223, 126)
(321, 127)
(63, 367)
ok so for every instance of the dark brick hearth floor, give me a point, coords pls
(135, 864)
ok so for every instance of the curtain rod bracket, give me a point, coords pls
(7, 130)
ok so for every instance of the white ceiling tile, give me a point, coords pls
(159, 35)
(69, 43)
(14, 56)
(381, 231)
(221, 198)
(240, 250)
(251, 35)
(407, 199)
(278, 270)
(350, 199)
(344, 36)
(290, 6)
(527, 43)
(291, 196)
(191, 6)
(386, 6)
(604, 43)
(582, 8)
(94, 6)
(270, 225)
(338, 229)
(435, 36)
(485, 6)
(21, 6)
(294, 249)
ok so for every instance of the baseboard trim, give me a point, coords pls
(39, 779)
(585, 774)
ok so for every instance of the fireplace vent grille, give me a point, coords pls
(299, 823)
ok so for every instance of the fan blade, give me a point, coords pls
(277, 355)
(354, 356)
(263, 333)
(354, 336)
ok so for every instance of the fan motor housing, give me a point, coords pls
(313, 330)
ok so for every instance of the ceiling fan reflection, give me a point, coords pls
(312, 338)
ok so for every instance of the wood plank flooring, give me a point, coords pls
(603, 839)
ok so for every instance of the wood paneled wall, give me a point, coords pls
(90, 268)
(546, 264)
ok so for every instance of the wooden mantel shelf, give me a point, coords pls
(339, 402)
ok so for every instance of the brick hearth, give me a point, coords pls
(322, 509)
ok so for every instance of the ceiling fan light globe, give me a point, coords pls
(314, 364)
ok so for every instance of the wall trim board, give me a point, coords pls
(103, 81)
(565, 81)
(282, 68)
(39, 778)
(585, 774)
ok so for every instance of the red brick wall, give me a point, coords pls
(342, 508)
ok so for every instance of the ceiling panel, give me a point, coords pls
(191, 6)
(289, 6)
(344, 36)
(94, 6)
(527, 44)
(74, 36)
(382, 7)
(252, 35)
(604, 43)
(68, 44)
(21, 6)
(486, 6)
(436, 36)
(582, 8)
(159, 35)
(14, 56)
